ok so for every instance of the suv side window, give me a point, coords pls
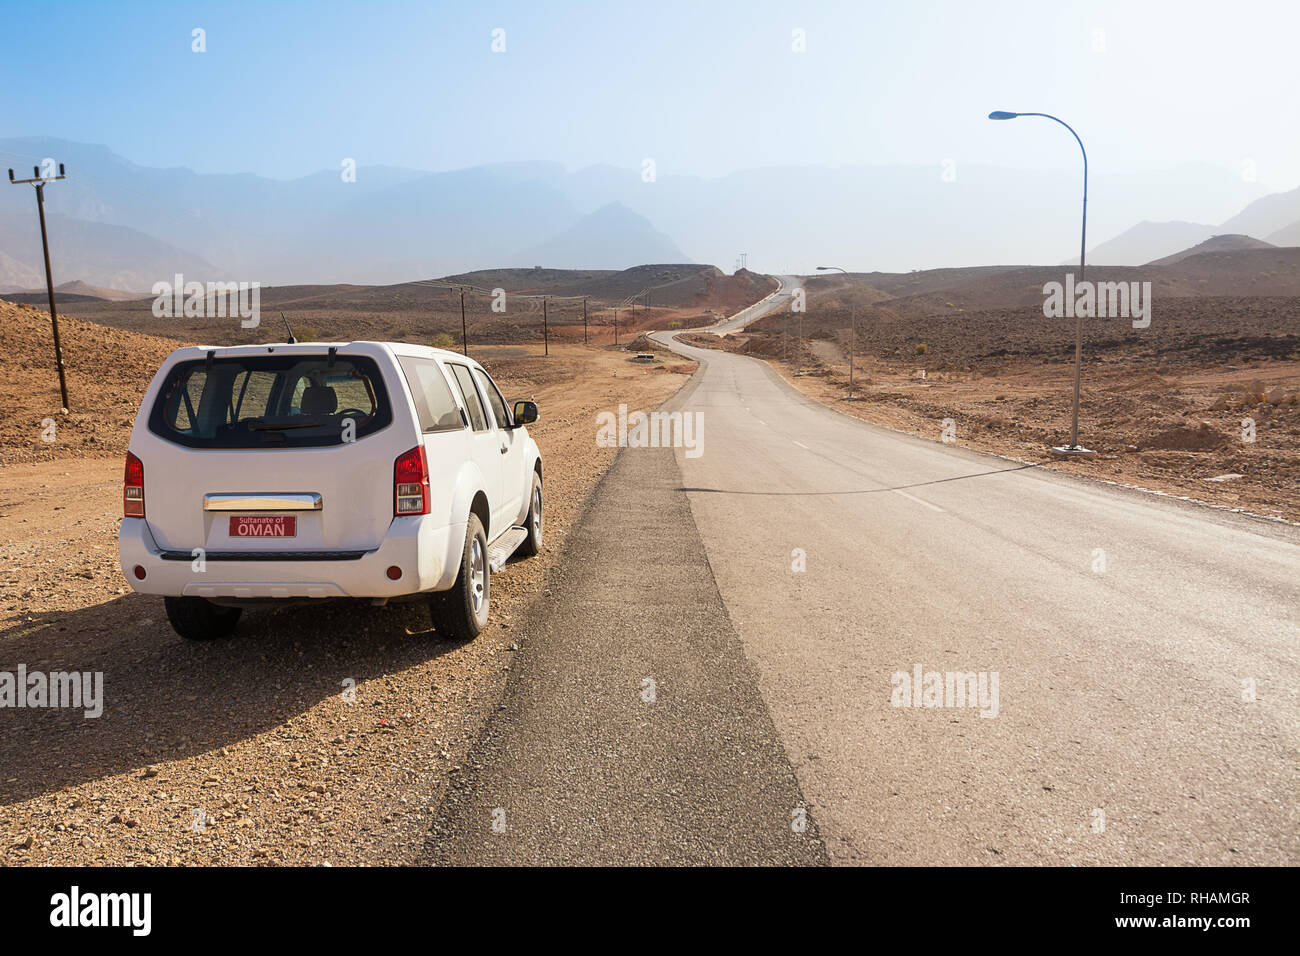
(434, 404)
(494, 398)
(477, 417)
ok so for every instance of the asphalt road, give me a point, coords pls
(780, 299)
(632, 730)
(1121, 627)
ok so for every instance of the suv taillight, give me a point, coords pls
(133, 488)
(411, 483)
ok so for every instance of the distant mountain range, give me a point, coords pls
(1146, 242)
(1228, 243)
(113, 256)
(1274, 219)
(71, 291)
(602, 240)
(116, 224)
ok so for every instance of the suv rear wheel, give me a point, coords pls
(198, 619)
(462, 613)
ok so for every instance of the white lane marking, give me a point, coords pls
(918, 500)
(801, 445)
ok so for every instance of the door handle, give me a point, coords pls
(504, 449)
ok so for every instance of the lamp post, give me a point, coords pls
(853, 323)
(1074, 449)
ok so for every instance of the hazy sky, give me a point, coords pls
(704, 87)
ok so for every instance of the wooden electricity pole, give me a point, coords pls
(39, 181)
(464, 335)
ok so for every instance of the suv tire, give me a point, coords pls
(198, 619)
(462, 613)
(532, 544)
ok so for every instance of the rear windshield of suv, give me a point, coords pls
(271, 401)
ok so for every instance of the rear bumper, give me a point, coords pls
(429, 558)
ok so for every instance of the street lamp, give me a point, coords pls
(853, 323)
(1074, 449)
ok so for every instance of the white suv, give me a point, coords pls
(265, 474)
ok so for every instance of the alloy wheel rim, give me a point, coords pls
(477, 576)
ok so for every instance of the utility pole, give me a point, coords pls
(584, 321)
(39, 182)
(546, 335)
(853, 332)
(464, 335)
(798, 350)
(616, 326)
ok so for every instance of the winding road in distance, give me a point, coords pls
(774, 302)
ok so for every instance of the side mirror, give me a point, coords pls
(525, 412)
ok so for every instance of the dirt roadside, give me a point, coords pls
(320, 734)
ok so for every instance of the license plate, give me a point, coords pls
(263, 526)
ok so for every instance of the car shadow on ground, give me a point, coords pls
(165, 698)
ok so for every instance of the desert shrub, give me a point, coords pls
(443, 341)
(674, 325)
(921, 348)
